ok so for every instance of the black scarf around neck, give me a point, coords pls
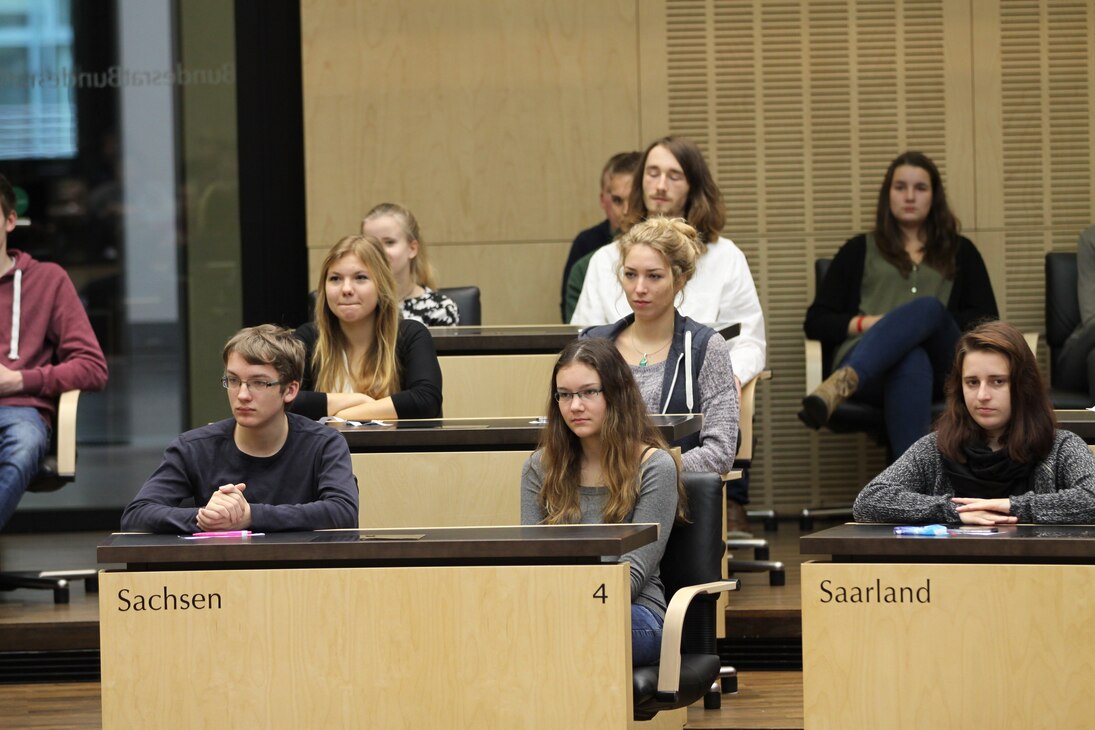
(988, 474)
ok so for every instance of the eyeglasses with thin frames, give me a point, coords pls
(589, 394)
(232, 383)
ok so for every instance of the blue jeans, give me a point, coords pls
(902, 361)
(24, 440)
(646, 636)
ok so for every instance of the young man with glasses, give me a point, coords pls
(264, 469)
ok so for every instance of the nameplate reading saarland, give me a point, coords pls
(830, 591)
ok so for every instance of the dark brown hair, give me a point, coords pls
(940, 228)
(703, 210)
(1029, 433)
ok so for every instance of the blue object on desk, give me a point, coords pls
(922, 531)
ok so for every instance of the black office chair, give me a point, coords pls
(691, 570)
(1062, 318)
(466, 299)
(57, 468)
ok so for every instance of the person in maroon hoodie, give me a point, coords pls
(47, 346)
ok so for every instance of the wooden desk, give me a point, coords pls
(464, 434)
(483, 627)
(1081, 423)
(452, 472)
(504, 371)
(951, 631)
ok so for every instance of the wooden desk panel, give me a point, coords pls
(1081, 423)
(973, 646)
(496, 385)
(515, 646)
(439, 489)
(962, 631)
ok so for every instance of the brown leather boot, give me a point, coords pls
(818, 407)
(737, 524)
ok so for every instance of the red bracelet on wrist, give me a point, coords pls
(859, 324)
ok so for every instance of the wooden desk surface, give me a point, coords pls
(1081, 423)
(473, 434)
(853, 542)
(520, 339)
(349, 548)
(502, 340)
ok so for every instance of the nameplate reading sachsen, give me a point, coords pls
(166, 600)
(877, 592)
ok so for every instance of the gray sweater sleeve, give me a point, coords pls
(657, 503)
(532, 481)
(1064, 486)
(721, 411)
(912, 489)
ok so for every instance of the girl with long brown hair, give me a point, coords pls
(893, 304)
(602, 460)
(363, 361)
(995, 456)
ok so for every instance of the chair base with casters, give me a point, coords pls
(56, 469)
(57, 581)
(691, 571)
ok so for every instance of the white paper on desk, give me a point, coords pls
(336, 419)
(1092, 408)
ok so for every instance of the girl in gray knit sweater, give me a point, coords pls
(602, 461)
(995, 456)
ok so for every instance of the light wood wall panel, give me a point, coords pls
(490, 119)
(799, 105)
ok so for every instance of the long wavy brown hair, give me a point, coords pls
(1030, 432)
(627, 430)
(704, 209)
(421, 271)
(378, 376)
(940, 227)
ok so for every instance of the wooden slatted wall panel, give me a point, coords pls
(795, 111)
(1045, 111)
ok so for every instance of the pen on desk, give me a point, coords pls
(924, 531)
(228, 533)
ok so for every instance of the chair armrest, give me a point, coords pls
(1032, 341)
(813, 365)
(669, 671)
(747, 409)
(65, 434)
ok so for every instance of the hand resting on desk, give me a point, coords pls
(227, 509)
(976, 511)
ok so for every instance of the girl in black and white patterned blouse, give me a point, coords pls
(397, 229)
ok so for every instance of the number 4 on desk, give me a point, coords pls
(600, 593)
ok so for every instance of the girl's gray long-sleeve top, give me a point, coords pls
(915, 489)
